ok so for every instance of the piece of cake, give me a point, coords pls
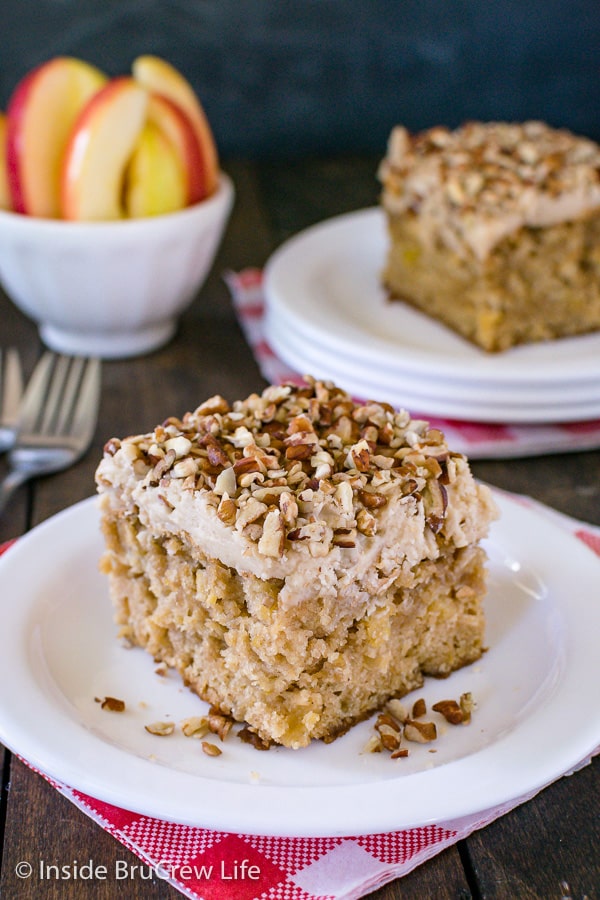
(299, 558)
(494, 230)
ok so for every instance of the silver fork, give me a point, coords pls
(57, 419)
(11, 391)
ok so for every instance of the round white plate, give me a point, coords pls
(289, 336)
(446, 399)
(326, 284)
(538, 680)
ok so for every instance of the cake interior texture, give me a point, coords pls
(297, 557)
(494, 230)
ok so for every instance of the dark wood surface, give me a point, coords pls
(547, 848)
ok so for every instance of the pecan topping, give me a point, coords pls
(297, 467)
(483, 181)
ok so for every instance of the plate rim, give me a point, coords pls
(493, 411)
(566, 392)
(534, 777)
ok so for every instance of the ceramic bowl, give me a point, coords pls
(111, 289)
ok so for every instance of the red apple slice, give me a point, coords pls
(40, 114)
(156, 181)
(101, 143)
(160, 77)
(5, 201)
(175, 124)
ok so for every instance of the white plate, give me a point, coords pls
(444, 398)
(288, 335)
(325, 284)
(536, 689)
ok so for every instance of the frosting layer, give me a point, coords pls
(474, 186)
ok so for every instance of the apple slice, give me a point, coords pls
(160, 77)
(176, 125)
(101, 143)
(5, 201)
(40, 114)
(156, 180)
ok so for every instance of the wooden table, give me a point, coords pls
(547, 848)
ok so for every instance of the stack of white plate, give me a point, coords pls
(327, 315)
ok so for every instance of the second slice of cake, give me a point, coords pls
(494, 230)
(298, 557)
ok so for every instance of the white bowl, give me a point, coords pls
(111, 289)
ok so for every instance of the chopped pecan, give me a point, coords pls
(419, 708)
(195, 726)
(450, 710)
(215, 451)
(272, 540)
(420, 732)
(248, 736)
(299, 451)
(161, 729)
(113, 704)
(211, 749)
(371, 499)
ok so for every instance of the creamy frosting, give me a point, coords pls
(474, 186)
(373, 511)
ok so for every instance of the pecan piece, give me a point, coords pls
(420, 732)
(299, 451)
(251, 737)
(246, 464)
(211, 749)
(195, 726)
(450, 710)
(467, 704)
(435, 499)
(389, 731)
(161, 729)
(113, 704)
(419, 708)
(272, 540)
(227, 511)
(219, 724)
(371, 500)
(345, 538)
(215, 451)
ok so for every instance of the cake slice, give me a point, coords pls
(494, 230)
(298, 557)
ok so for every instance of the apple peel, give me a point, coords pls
(40, 115)
(160, 77)
(5, 201)
(177, 127)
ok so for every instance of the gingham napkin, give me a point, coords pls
(478, 440)
(206, 865)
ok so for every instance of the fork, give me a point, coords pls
(11, 391)
(57, 419)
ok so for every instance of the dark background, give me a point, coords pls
(284, 78)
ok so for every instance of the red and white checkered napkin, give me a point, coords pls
(478, 440)
(214, 865)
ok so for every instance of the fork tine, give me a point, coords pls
(55, 395)
(12, 385)
(65, 390)
(35, 394)
(85, 413)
